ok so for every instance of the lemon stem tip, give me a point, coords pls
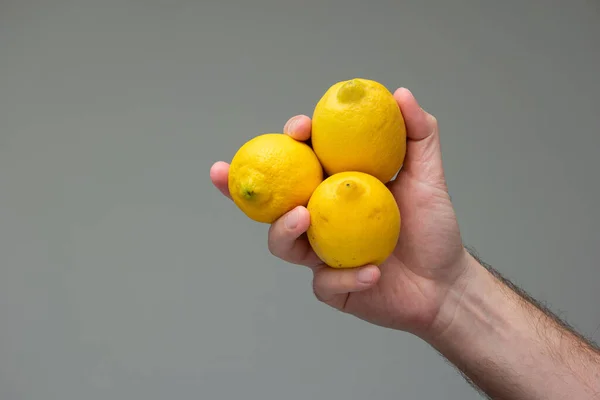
(247, 193)
(349, 189)
(351, 91)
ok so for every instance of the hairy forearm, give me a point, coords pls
(511, 347)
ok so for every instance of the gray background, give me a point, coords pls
(125, 275)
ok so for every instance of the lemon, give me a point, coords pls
(358, 126)
(354, 220)
(271, 174)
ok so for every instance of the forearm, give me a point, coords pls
(510, 347)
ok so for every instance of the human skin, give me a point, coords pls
(432, 286)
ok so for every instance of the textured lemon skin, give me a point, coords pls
(271, 174)
(355, 220)
(358, 126)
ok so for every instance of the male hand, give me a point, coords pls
(506, 344)
(407, 291)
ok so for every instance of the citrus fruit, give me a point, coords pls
(354, 220)
(358, 126)
(271, 174)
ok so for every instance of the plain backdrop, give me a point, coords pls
(125, 275)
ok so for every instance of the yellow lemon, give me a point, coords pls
(358, 126)
(271, 174)
(354, 220)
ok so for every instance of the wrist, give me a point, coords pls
(507, 345)
(464, 308)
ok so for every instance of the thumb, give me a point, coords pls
(423, 152)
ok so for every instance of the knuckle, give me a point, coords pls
(274, 249)
(272, 241)
(317, 290)
(434, 122)
(271, 248)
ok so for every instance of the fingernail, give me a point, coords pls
(365, 275)
(291, 220)
(291, 125)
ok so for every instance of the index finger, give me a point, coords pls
(298, 127)
(287, 241)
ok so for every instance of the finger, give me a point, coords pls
(298, 127)
(332, 286)
(219, 175)
(419, 124)
(287, 241)
(423, 151)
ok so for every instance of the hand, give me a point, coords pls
(407, 291)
